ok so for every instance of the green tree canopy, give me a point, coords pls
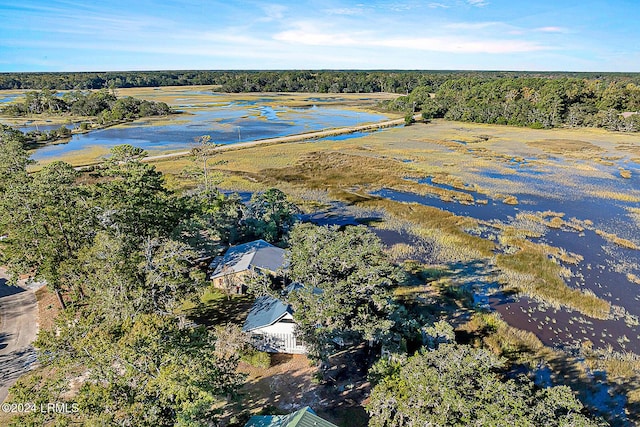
(347, 282)
(131, 197)
(47, 218)
(270, 215)
(458, 385)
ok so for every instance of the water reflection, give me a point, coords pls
(602, 270)
(226, 124)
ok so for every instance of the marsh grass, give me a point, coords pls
(614, 195)
(546, 282)
(206, 94)
(625, 173)
(510, 200)
(89, 156)
(634, 213)
(633, 278)
(439, 226)
(350, 176)
(565, 146)
(611, 237)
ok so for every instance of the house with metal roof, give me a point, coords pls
(272, 328)
(230, 270)
(304, 417)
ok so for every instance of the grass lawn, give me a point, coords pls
(216, 308)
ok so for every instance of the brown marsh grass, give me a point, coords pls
(625, 243)
(625, 173)
(565, 146)
(547, 283)
(615, 195)
(206, 95)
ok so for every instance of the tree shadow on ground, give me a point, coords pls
(222, 310)
(8, 290)
(293, 382)
(4, 337)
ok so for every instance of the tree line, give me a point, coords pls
(533, 101)
(102, 103)
(103, 106)
(321, 81)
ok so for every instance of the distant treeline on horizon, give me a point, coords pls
(534, 99)
(321, 81)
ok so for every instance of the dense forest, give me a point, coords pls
(322, 81)
(535, 102)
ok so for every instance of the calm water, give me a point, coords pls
(226, 124)
(44, 128)
(10, 98)
(604, 268)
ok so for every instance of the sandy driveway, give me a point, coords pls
(18, 329)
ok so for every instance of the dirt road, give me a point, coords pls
(279, 140)
(18, 314)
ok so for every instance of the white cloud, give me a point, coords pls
(437, 6)
(552, 30)
(465, 45)
(473, 25)
(348, 11)
(308, 33)
(273, 12)
(478, 3)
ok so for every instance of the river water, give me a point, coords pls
(226, 123)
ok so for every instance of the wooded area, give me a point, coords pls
(534, 99)
(321, 81)
(94, 109)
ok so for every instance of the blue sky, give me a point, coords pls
(71, 35)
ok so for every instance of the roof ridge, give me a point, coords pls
(251, 321)
(297, 417)
(253, 255)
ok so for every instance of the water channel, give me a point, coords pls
(604, 268)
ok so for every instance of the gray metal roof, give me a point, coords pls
(265, 312)
(304, 417)
(257, 254)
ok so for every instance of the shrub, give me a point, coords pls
(257, 359)
(536, 125)
(409, 120)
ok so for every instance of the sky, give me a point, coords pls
(118, 35)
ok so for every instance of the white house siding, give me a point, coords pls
(278, 338)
